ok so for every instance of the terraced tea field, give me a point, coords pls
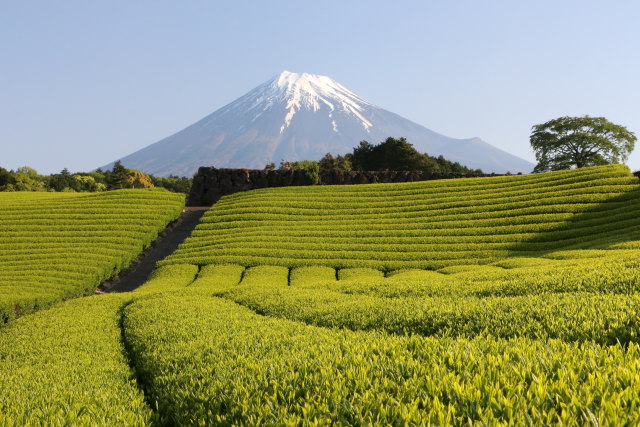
(55, 246)
(425, 225)
(507, 300)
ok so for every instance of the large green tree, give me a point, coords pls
(577, 142)
(119, 177)
(341, 163)
(391, 154)
(399, 155)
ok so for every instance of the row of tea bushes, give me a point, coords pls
(55, 246)
(207, 361)
(424, 225)
(67, 366)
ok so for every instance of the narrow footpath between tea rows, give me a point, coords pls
(167, 242)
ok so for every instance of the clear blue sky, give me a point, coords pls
(83, 83)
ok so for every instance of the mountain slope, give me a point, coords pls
(302, 116)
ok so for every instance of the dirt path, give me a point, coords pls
(166, 244)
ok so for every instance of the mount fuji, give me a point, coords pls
(300, 116)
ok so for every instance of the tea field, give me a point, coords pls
(55, 246)
(494, 301)
(425, 225)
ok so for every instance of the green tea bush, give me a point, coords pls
(499, 301)
(210, 362)
(170, 278)
(67, 366)
(55, 246)
(266, 275)
(424, 225)
(312, 275)
(213, 278)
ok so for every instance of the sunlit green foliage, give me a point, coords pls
(66, 366)
(425, 225)
(28, 179)
(213, 278)
(568, 142)
(171, 278)
(207, 361)
(266, 275)
(55, 246)
(506, 301)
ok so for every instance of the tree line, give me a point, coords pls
(28, 179)
(395, 154)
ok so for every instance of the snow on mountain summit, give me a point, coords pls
(306, 91)
(302, 116)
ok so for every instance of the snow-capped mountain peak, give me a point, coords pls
(301, 116)
(314, 86)
(311, 92)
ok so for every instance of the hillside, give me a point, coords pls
(486, 301)
(427, 225)
(55, 246)
(302, 116)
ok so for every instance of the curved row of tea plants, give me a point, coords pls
(55, 246)
(205, 360)
(314, 305)
(427, 225)
(68, 365)
(605, 319)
